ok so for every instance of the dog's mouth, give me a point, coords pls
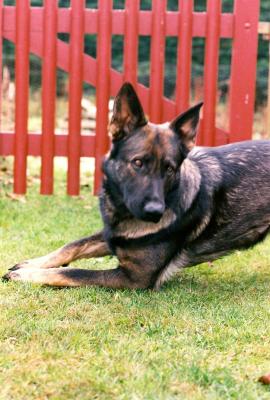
(147, 217)
(152, 218)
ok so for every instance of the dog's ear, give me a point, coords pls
(128, 113)
(185, 125)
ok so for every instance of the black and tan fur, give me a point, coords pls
(165, 204)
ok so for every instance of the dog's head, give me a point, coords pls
(144, 161)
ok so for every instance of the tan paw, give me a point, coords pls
(25, 275)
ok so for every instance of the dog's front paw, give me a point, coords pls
(52, 276)
(44, 262)
(18, 266)
(11, 276)
(24, 275)
(39, 262)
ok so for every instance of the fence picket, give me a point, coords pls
(102, 85)
(157, 60)
(182, 90)
(131, 41)
(211, 72)
(75, 95)
(48, 95)
(243, 69)
(21, 99)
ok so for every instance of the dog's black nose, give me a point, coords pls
(154, 211)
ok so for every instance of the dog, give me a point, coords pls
(165, 203)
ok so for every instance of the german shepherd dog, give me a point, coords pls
(166, 204)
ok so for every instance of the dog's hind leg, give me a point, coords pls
(186, 258)
(91, 246)
(211, 249)
(180, 261)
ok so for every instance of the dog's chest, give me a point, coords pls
(152, 257)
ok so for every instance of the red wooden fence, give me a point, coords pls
(34, 30)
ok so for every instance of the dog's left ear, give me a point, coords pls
(128, 113)
(185, 125)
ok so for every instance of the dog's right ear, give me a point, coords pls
(185, 125)
(128, 113)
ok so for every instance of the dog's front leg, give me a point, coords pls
(92, 246)
(118, 278)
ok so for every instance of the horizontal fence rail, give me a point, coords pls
(35, 29)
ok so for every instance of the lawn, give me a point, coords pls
(205, 335)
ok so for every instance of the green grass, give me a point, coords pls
(205, 335)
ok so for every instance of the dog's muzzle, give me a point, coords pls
(153, 211)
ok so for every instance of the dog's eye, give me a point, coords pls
(137, 163)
